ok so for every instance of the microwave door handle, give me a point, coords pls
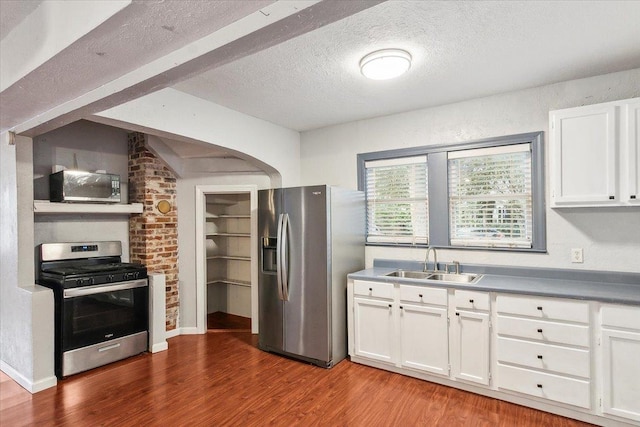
(285, 257)
(279, 257)
(92, 290)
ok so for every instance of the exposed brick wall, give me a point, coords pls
(153, 236)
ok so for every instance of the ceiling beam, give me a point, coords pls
(270, 26)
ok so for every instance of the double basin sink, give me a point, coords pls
(438, 276)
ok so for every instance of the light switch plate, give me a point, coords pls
(577, 255)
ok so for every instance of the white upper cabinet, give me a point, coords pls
(632, 147)
(594, 155)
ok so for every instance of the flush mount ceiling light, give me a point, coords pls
(385, 64)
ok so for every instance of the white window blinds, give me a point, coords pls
(490, 197)
(396, 192)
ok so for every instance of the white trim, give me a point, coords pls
(489, 151)
(395, 162)
(173, 333)
(156, 348)
(30, 386)
(201, 297)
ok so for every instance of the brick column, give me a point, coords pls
(153, 236)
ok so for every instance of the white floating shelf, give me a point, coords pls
(45, 206)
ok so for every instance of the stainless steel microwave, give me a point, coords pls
(87, 187)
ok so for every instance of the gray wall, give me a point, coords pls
(96, 147)
(610, 237)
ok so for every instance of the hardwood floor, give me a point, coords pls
(224, 322)
(222, 379)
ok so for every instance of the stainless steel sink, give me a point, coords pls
(450, 277)
(410, 274)
(430, 275)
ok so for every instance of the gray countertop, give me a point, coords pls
(624, 290)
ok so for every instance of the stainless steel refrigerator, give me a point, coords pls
(311, 238)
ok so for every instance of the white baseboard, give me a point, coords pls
(157, 347)
(189, 331)
(30, 386)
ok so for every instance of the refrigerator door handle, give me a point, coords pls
(285, 257)
(279, 257)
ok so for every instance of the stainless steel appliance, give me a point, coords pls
(311, 238)
(80, 186)
(101, 304)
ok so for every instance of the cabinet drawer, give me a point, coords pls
(472, 300)
(548, 386)
(544, 331)
(621, 316)
(544, 308)
(422, 294)
(373, 289)
(549, 357)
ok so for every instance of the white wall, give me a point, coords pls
(610, 236)
(172, 114)
(186, 202)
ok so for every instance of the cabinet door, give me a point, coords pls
(633, 150)
(424, 338)
(470, 346)
(621, 390)
(583, 156)
(374, 329)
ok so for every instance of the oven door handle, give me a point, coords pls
(92, 290)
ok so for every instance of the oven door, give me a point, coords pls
(95, 314)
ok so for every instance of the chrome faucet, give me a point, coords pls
(454, 264)
(435, 259)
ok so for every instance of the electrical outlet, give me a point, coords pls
(577, 255)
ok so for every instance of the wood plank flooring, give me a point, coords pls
(225, 322)
(222, 379)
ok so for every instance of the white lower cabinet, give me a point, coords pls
(470, 337)
(621, 361)
(423, 338)
(543, 348)
(572, 357)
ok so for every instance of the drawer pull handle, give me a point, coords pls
(539, 385)
(389, 305)
(370, 289)
(540, 356)
(420, 295)
(457, 314)
(540, 308)
(471, 301)
(540, 330)
(401, 307)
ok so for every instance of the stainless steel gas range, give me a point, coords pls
(101, 304)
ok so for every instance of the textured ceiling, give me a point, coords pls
(141, 32)
(13, 12)
(461, 50)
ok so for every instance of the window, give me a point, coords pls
(490, 201)
(396, 192)
(486, 194)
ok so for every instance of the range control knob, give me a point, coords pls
(110, 277)
(79, 282)
(92, 281)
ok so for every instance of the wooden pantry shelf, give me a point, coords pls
(228, 235)
(230, 257)
(211, 217)
(229, 282)
(45, 206)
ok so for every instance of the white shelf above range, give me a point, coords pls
(226, 281)
(45, 206)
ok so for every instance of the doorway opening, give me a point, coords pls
(227, 282)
